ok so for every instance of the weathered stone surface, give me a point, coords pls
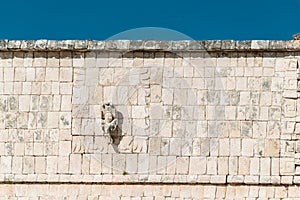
(234, 121)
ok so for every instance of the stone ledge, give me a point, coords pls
(150, 179)
(149, 45)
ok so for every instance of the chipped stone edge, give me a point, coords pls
(149, 45)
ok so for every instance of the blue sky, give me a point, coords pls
(99, 20)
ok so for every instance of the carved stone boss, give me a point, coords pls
(109, 122)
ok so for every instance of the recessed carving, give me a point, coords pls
(109, 122)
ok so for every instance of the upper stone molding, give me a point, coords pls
(149, 45)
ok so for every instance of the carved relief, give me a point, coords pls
(109, 123)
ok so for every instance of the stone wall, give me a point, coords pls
(213, 117)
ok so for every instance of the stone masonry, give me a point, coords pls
(196, 119)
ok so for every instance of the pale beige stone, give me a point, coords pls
(143, 163)
(182, 165)
(64, 148)
(51, 167)
(52, 74)
(244, 166)
(212, 165)
(75, 164)
(40, 59)
(65, 88)
(8, 74)
(24, 102)
(254, 166)
(235, 147)
(28, 164)
(17, 165)
(247, 147)
(63, 164)
(197, 165)
(20, 74)
(53, 59)
(265, 166)
(39, 148)
(272, 147)
(40, 165)
(65, 59)
(233, 165)
(223, 164)
(287, 166)
(53, 119)
(224, 149)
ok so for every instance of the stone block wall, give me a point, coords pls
(213, 117)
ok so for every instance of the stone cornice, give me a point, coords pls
(150, 45)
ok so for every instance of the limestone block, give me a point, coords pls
(286, 180)
(235, 147)
(143, 163)
(230, 112)
(64, 120)
(209, 192)
(182, 165)
(156, 112)
(212, 165)
(63, 164)
(52, 74)
(275, 166)
(126, 144)
(247, 147)
(139, 112)
(254, 166)
(244, 166)
(44, 88)
(64, 148)
(224, 149)
(241, 83)
(65, 88)
(40, 165)
(259, 44)
(65, 59)
(8, 74)
(51, 167)
(131, 163)
(66, 74)
(289, 108)
(19, 74)
(287, 166)
(161, 164)
(106, 163)
(39, 148)
(75, 164)
(53, 120)
(272, 147)
(242, 192)
(251, 179)
(175, 146)
(197, 165)
(28, 164)
(40, 59)
(235, 179)
(140, 145)
(16, 165)
(78, 145)
(13, 103)
(223, 164)
(171, 166)
(259, 129)
(8, 88)
(154, 145)
(118, 163)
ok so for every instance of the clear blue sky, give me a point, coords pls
(101, 19)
